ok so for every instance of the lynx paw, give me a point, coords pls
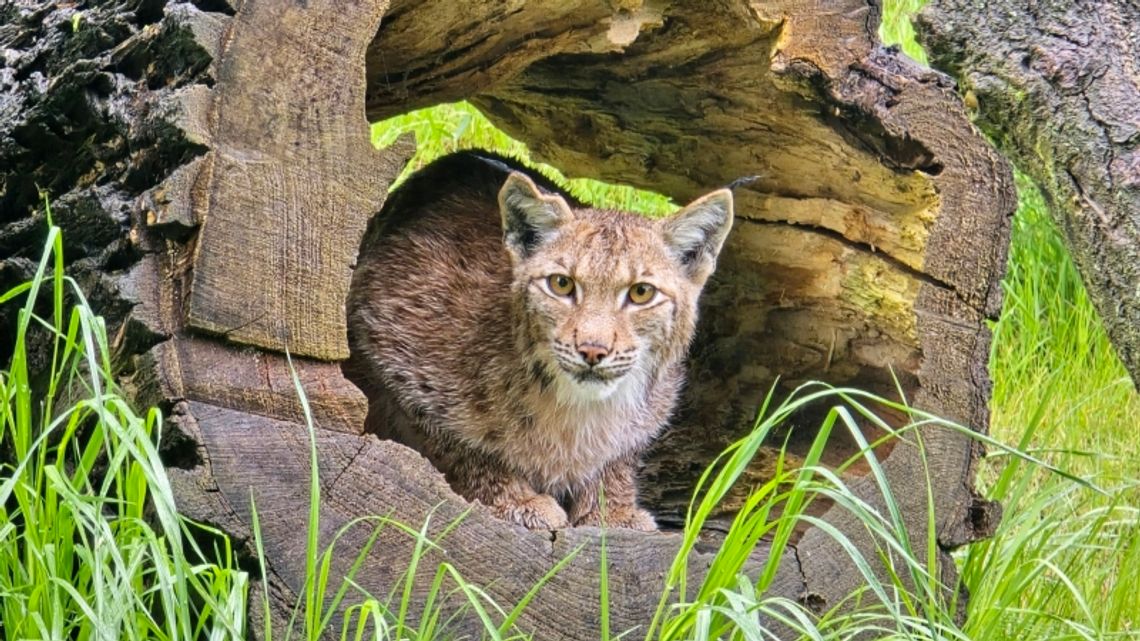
(633, 518)
(539, 512)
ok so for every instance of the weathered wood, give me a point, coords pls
(869, 251)
(291, 177)
(263, 462)
(437, 51)
(82, 118)
(192, 480)
(1057, 85)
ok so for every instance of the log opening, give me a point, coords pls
(846, 264)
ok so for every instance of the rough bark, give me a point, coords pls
(221, 157)
(86, 116)
(1057, 85)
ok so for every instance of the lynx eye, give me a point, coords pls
(641, 293)
(560, 284)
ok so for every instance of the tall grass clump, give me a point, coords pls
(1065, 562)
(91, 546)
(896, 558)
(896, 28)
(731, 601)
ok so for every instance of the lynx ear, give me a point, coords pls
(530, 217)
(696, 233)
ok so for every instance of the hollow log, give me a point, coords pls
(209, 163)
(1056, 85)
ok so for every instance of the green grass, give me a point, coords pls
(1065, 563)
(92, 547)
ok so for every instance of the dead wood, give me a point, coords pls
(229, 180)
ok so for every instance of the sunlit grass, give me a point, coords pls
(896, 28)
(91, 545)
(1052, 357)
(1065, 563)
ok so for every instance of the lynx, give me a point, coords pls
(530, 347)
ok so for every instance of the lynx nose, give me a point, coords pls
(592, 353)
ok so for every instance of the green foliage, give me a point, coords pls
(447, 128)
(1065, 563)
(82, 489)
(729, 605)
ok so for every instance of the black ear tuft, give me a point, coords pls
(529, 217)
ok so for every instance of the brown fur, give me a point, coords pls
(467, 354)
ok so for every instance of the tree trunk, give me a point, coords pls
(221, 156)
(1057, 86)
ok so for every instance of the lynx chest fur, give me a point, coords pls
(530, 347)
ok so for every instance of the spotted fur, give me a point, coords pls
(531, 403)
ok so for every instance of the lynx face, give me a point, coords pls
(608, 298)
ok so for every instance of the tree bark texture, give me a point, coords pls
(1057, 86)
(209, 164)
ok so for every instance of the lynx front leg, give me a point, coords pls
(480, 478)
(618, 485)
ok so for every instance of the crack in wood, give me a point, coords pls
(860, 246)
(349, 464)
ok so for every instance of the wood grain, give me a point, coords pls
(264, 462)
(293, 178)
